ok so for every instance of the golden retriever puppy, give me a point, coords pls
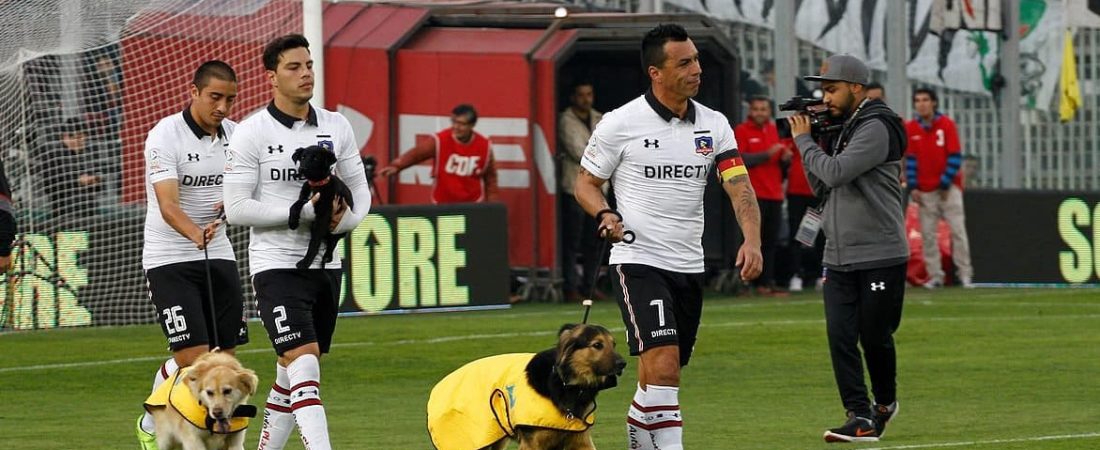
(545, 401)
(204, 406)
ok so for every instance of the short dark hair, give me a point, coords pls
(760, 98)
(465, 109)
(277, 46)
(873, 85)
(579, 83)
(653, 45)
(213, 69)
(930, 93)
(73, 125)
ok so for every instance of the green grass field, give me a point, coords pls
(981, 369)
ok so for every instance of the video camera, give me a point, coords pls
(821, 122)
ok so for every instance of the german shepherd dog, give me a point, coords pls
(551, 410)
(315, 164)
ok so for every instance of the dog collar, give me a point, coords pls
(319, 183)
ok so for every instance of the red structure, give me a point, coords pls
(397, 71)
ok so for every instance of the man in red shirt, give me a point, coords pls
(763, 154)
(935, 182)
(464, 170)
(800, 198)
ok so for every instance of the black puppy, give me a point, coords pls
(315, 164)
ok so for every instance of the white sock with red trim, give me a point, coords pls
(163, 372)
(663, 416)
(305, 396)
(278, 420)
(637, 430)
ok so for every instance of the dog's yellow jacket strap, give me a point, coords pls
(174, 392)
(485, 400)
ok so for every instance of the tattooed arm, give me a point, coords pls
(589, 194)
(745, 207)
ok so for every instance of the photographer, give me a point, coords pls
(856, 174)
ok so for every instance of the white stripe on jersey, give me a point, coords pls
(659, 171)
(173, 151)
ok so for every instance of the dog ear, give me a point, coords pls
(565, 328)
(198, 370)
(248, 380)
(297, 155)
(330, 158)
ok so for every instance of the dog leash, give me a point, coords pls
(215, 346)
(605, 242)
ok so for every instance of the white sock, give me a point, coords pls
(163, 372)
(278, 420)
(305, 377)
(637, 430)
(663, 416)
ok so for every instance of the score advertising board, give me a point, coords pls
(1034, 237)
(427, 256)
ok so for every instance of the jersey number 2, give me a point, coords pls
(280, 318)
(660, 304)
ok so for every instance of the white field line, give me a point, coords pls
(1060, 437)
(481, 336)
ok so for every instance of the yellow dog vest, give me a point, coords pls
(485, 400)
(174, 392)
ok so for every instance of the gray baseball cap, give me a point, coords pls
(842, 68)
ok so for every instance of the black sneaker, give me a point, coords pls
(856, 429)
(882, 415)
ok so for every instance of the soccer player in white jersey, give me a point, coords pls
(658, 151)
(185, 155)
(298, 307)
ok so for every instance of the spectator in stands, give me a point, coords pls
(875, 91)
(71, 177)
(800, 198)
(575, 125)
(764, 154)
(464, 169)
(935, 182)
(104, 104)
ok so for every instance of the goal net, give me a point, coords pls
(81, 83)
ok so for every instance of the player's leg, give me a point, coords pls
(662, 364)
(882, 293)
(284, 300)
(229, 304)
(303, 362)
(646, 306)
(178, 302)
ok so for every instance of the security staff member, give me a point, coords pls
(856, 173)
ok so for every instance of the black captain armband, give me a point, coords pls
(7, 232)
(600, 213)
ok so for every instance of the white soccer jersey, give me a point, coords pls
(658, 164)
(260, 158)
(178, 149)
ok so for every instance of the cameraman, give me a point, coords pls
(856, 174)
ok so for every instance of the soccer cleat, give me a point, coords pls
(856, 429)
(147, 440)
(882, 415)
